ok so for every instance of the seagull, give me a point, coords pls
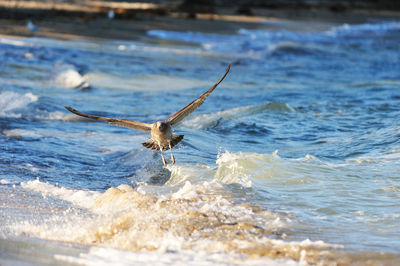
(162, 137)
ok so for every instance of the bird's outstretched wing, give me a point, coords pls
(115, 121)
(191, 107)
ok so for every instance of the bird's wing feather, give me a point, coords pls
(115, 121)
(191, 107)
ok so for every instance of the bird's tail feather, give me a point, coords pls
(152, 145)
(176, 139)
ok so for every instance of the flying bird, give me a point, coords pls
(162, 137)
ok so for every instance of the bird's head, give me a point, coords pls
(162, 126)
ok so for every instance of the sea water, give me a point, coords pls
(293, 160)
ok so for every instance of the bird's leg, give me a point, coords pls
(172, 155)
(162, 156)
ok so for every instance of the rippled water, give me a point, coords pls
(293, 159)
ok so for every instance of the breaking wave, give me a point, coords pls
(12, 104)
(375, 28)
(67, 76)
(18, 105)
(209, 120)
(271, 42)
(194, 218)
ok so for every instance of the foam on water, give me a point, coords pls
(56, 116)
(246, 168)
(262, 42)
(17, 105)
(106, 256)
(5, 182)
(192, 220)
(67, 76)
(14, 41)
(12, 103)
(193, 172)
(376, 28)
(80, 198)
(18, 133)
(181, 50)
(243, 168)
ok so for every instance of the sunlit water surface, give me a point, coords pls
(293, 159)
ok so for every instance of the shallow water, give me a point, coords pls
(293, 159)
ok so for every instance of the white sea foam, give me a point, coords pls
(12, 104)
(82, 198)
(365, 28)
(246, 168)
(5, 182)
(67, 76)
(210, 43)
(108, 256)
(37, 133)
(15, 41)
(56, 116)
(17, 133)
(167, 50)
(193, 172)
(191, 37)
(231, 169)
(195, 224)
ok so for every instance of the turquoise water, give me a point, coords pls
(300, 143)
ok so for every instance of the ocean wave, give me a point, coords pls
(248, 168)
(67, 76)
(248, 42)
(360, 29)
(206, 39)
(209, 120)
(188, 172)
(5, 182)
(293, 48)
(13, 104)
(15, 42)
(265, 42)
(81, 198)
(18, 133)
(143, 82)
(110, 256)
(194, 218)
(244, 169)
(18, 105)
(176, 49)
(55, 116)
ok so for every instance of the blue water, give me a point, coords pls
(306, 124)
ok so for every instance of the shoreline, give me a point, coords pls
(133, 22)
